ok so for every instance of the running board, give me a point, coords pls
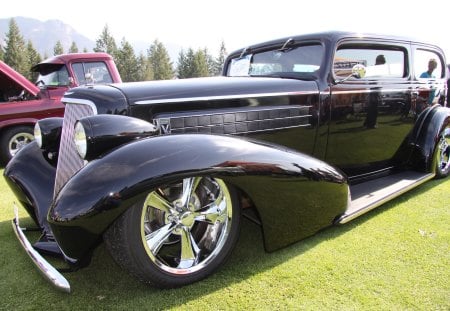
(369, 195)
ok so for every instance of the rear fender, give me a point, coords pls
(289, 188)
(427, 136)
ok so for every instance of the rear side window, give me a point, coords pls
(380, 62)
(92, 72)
(428, 65)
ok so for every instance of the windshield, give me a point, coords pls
(59, 76)
(297, 61)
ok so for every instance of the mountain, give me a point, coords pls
(44, 35)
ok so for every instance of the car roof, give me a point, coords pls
(334, 36)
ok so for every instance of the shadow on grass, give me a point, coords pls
(103, 285)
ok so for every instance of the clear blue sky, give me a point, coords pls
(203, 23)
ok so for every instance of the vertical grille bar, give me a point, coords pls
(68, 160)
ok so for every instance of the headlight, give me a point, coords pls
(38, 134)
(47, 133)
(95, 135)
(80, 139)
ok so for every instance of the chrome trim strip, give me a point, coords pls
(345, 218)
(80, 102)
(371, 91)
(49, 272)
(206, 98)
(237, 110)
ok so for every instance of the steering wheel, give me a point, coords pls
(39, 82)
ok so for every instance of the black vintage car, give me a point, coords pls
(298, 134)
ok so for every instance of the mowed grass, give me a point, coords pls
(396, 257)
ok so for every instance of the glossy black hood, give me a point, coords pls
(189, 90)
(210, 88)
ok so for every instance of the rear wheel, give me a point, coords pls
(12, 140)
(178, 234)
(442, 154)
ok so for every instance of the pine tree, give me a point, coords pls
(14, 54)
(145, 72)
(159, 61)
(210, 62)
(106, 43)
(185, 64)
(126, 62)
(58, 49)
(220, 60)
(200, 64)
(73, 48)
(33, 58)
(2, 52)
(194, 64)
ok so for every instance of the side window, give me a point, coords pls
(380, 62)
(98, 70)
(427, 65)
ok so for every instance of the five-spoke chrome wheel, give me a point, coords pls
(179, 233)
(443, 154)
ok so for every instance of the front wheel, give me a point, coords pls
(442, 154)
(12, 140)
(178, 234)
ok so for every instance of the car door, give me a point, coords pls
(370, 117)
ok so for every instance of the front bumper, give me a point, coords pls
(49, 272)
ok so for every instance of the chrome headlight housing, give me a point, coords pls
(95, 135)
(47, 133)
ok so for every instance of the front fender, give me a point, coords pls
(106, 187)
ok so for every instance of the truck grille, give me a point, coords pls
(69, 162)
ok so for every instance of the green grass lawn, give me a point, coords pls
(396, 257)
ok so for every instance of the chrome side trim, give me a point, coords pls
(49, 272)
(235, 121)
(80, 102)
(206, 98)
(364, 91)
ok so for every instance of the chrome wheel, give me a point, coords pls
(443, 154)
(12, 140)
(18, 141)
(179, 233)
(184, 226)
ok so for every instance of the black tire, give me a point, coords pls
(178, 234)
(442, 154)
(12, 140)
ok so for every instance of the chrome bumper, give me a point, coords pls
(50, 273)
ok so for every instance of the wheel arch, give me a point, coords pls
(312, 192)
(426, 135)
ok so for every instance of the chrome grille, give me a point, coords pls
(69, 161)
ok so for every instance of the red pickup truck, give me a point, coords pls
(22, 103)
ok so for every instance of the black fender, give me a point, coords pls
(294, 193)
(426, 134)
(31, 177)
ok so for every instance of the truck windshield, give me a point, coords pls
(298, 61)
(58, 76)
